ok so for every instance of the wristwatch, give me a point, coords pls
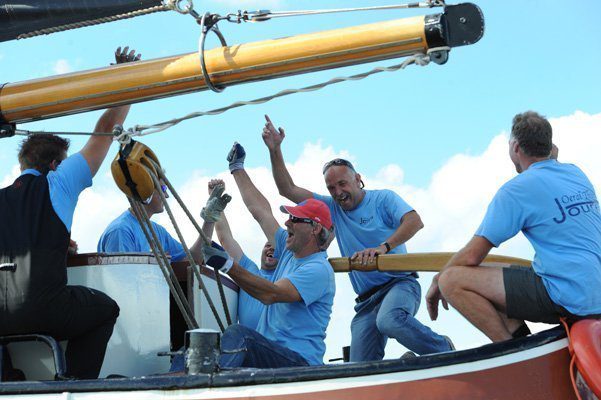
(385, 244)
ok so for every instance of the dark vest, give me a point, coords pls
(33, 249)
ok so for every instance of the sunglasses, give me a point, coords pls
(297, 220)
(338, 162)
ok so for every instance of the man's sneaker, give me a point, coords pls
(408, 355)
(450, 342)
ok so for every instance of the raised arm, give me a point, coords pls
(254, 200)
(273, 140)
(97, 147)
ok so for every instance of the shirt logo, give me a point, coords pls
(365, 221)
(575, 204)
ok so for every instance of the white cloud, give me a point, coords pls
(9, 178)
(451, 205)
(62, 66)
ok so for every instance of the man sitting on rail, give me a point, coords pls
(556, 208)
(368, 223)
(292, 328)
(36, 213)
(249, 308)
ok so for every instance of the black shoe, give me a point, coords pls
(450, 342)
(13, 375)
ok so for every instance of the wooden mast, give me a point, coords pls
(146, 80)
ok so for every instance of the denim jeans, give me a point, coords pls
(390, 313)
(251, 349)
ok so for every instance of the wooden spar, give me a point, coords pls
(146, 80)
(416, 262)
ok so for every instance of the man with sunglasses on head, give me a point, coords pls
(368, 223)
(292, 327)
(36, 213)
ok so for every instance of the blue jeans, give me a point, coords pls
(251, 349)
(390, 313)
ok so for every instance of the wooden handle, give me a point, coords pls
(416, 262)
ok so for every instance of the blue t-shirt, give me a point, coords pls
(374, 220)
(72, 176)
(125, 235)
(301, 326)
(556, 208)
(249, 308)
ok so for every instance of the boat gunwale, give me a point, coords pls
(245, 377)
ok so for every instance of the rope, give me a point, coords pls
(204, 239)
(264, 15)
(186, 249)
(162, 260)
(418, 59)
(138, 130)
(83, 24)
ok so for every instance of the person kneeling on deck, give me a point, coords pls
(555, 206)
(292, 328)
(249, 308)
(368, 223)
(36, 213)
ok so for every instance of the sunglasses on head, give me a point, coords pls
(297, 220)
(337, 162)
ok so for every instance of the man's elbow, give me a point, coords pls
(268, 298)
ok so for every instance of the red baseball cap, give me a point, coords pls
(315, 210)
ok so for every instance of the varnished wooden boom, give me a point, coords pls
(459, 25)
(119, 84)
(416, 262)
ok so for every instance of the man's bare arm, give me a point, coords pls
(282, 291)
(97, 147)
(470, 256)
(273, 139)
(411, 223)
(256, 204)
(226, 239)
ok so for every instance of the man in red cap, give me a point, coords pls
(292, 329)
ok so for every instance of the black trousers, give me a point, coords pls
(83, 316)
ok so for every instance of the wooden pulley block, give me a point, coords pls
(131, 170)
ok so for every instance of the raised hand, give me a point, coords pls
(236, 157)
(215, 204)
(213, 183)
(272, 137)
(125, 56)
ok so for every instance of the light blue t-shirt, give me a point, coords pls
(72, 176)
(374, 220)
(301, 326)
(556, 208)
(249, 308)
(124, 235)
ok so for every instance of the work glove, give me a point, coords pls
(216, 203)
(217, 257)
(124, 56)
(236, 157)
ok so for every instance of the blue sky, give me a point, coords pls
(432, 133)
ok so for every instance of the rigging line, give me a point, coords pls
(163, 262)
(186, 248)
(279, 14)
(203, 237)
(83, 24)
(419, 59)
